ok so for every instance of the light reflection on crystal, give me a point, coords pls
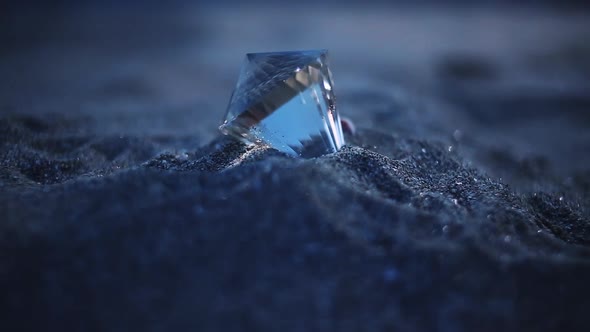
(285, 100)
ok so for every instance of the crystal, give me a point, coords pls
(285, 100)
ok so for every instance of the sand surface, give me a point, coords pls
(462, 203)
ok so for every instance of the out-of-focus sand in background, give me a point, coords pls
(169, 68)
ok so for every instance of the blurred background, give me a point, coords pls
(510, 80)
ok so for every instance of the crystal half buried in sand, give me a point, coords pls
(285, 101)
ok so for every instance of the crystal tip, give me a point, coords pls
(285, 100)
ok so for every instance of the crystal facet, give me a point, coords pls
(285, 100)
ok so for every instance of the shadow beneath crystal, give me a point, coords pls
(222, 153)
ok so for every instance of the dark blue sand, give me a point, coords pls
(462, 203)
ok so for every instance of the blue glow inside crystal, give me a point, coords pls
(285, 100)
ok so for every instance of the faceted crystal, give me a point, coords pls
(285, 100)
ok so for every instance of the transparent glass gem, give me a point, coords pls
(285, 100)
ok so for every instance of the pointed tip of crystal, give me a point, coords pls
(285, 100)
(316, 53)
